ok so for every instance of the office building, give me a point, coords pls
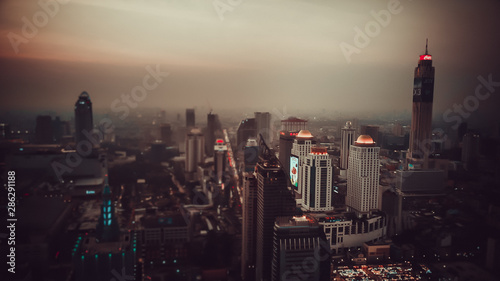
(83, 117)
(274, 199)
(300, 250)
(249, 226)
(213, 131)
(220, 160)
(289, 129)
(300, 148)
(44, 130)
(318, 180)
(421, 118)
(251, 155)
(346, 140)
(195, 150)
(190, 120)
(363, 176)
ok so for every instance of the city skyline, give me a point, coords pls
(256, 49)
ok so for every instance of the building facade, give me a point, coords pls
(318, 181)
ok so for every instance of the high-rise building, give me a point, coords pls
(166, 133)
(421, 118)
(300, 148)
(263, 126)
(470, 150)
(43, 130)
(220, 159)
(274, 199)
(300, 250)
(363, 176)
(289, 129)
(249, 226)
(190, 120)
(318, 180)
(346, 140)
(213, 131)
(83, 117)
(195, 150)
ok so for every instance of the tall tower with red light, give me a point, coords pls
(421, 119)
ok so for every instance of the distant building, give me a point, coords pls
(44, 133)
(274, 199)
(249, 227)
(300, 148)
(470, 151)
(346, 140)
(300, 250)
(84, 123)
(289, 129)
(220, 160)
(421, 118)
(363, 195)
(190, 120)
(213, 131)
(166, 133)
(195, 150)
(318, 180)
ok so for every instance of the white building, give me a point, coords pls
(317, 192)
(346, 140)
(195, 150)
(345, 233)
(300, 149)
(363, 195)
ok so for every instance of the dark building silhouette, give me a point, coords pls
(213, 131)
(43, 130)
(166, 133)
(300, 250)
(421, 118)
(249, 227)
(83, 117)
(274, 199)
(190, 120)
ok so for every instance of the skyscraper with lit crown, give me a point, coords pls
(83, 117)
(421, 118)
(363, 176)
(300, 148)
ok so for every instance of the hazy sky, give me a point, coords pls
(250, 52)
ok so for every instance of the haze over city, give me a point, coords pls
(271, 54)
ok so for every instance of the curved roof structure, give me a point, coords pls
(305, 134)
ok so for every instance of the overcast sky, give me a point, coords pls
(254, 52)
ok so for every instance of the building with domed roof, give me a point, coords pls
(300, 149)
(363, 194)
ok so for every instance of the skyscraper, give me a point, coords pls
(166, 133)
(43, 130)
(289, 129)
(213, 131)
(251, 155)
(246, 130)
(249, 226)
(274, 199)
(421, 118)
(190, 121)
(300, 148)
(363, 176)
(300, 250)
(83, 117)
(346, 140)
(318, 170)
(195, 150)
(220, 159)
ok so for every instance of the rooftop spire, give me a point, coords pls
(426, 43)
